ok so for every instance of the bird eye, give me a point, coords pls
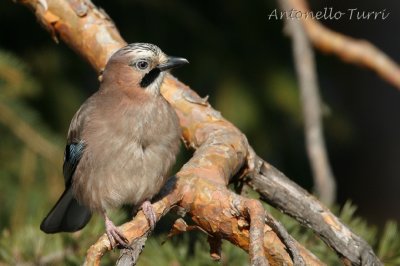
(142, 65)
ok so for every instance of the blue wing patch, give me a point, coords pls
(72, 155)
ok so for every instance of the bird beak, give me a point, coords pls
(172, 62)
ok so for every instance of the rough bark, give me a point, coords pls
(282, 193)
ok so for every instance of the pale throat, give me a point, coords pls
(154, 87)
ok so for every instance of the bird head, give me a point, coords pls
(139, 66)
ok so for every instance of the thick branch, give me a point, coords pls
(324, 180)
(349, 49)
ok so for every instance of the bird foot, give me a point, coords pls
(114, 235)
(148, 211)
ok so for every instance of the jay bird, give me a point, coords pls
(121, 143)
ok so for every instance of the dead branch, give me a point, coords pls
(256, 248)
(324, 180)
(287, 239)
(201, 185)
(130, 256)
(282, 193)
(359, 52)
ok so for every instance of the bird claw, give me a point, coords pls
(115, 237)
(148, 211)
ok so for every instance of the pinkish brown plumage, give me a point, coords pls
(121, 143)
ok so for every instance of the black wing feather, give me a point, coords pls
(68, 215)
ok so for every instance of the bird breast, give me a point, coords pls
(129, 151)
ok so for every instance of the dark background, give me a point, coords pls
(244, 63)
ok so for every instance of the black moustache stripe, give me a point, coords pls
(149, 77)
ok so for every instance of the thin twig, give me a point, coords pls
(256, 247)
(286, 239)
(324, 181)
(215, 247)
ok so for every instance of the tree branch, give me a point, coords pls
(282, 193)
(129, 257)
(287, 239)
(351, 50)
(256, 215)
(324, 180)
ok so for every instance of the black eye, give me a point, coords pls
(142, 65)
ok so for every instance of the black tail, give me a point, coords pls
(66, 216)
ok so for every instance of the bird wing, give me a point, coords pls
(75, 147)
(68, 215)
(72, 155)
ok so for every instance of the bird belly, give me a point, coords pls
(139, 178)
(127, 171)
(123, 177)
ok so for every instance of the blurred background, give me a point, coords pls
(243, 61)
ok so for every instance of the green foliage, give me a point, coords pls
(282, 94)
(24, 170)
(15, 79)
(237, 104)
(389, 246)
